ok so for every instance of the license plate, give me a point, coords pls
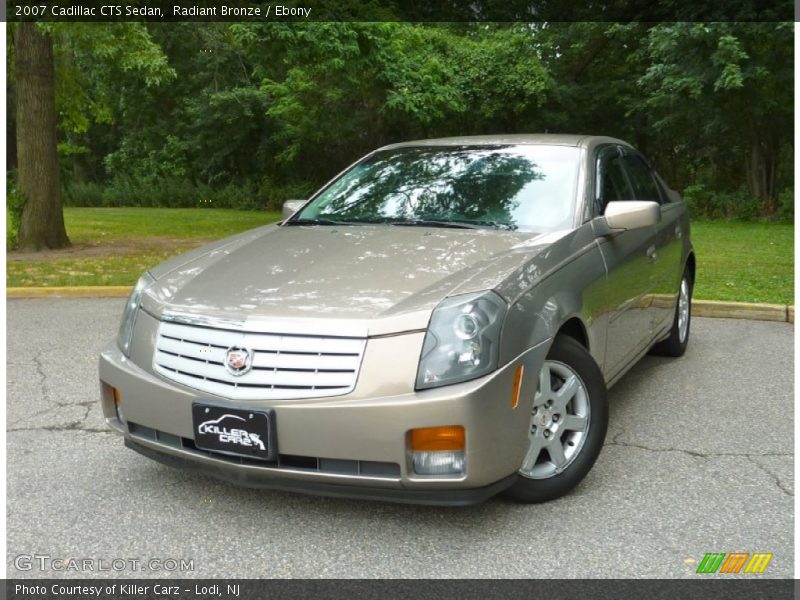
(235, 431)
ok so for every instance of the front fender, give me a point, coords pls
(573, 290)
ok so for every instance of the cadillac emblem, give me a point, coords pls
(238, 361)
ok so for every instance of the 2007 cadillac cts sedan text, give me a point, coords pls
(436, 325)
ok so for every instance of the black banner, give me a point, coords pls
(716, 588)
(402, 10)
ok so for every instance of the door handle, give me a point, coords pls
(652, 254)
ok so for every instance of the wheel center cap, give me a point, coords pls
(543, 419)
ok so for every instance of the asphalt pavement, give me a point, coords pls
(699, 458)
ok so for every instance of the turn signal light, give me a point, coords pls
(438, 439)
(517, 386)
(118, 404)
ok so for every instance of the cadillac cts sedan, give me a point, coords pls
(438, 324)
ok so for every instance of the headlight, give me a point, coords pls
(462, 339)
(129, 315)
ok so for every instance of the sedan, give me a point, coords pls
(438, 324)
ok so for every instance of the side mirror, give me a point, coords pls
(630, 214)
(291, 206)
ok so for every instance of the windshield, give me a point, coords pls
(516, 187)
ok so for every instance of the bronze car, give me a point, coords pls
(437, 324)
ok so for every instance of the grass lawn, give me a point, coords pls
(744, 262)
(113, 246)
(90, 225)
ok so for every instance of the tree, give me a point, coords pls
(258, 112)
(41, 99)
(42, 223)
(724, 89)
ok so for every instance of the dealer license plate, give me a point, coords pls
(235, 431)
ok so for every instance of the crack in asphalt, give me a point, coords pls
(37, 360)
(78, 425)
(87, 404)
(43, 385)
(773, 476)
(696, 453)
(750, 456)
(74, 426)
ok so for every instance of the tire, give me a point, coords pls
(543, 476)
(675, 345)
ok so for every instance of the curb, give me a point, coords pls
(743, 310)
(700, 308)
(85, 291)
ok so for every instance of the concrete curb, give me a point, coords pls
(743, 310)
(86, 291)
(700, 308)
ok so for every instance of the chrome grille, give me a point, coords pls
(283, 366)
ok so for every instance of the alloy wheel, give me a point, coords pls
(559, 421)
(683, 311)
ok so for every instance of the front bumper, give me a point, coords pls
(252, 477)
(350, 446)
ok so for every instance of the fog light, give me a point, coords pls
(438, 463)
(438, 450)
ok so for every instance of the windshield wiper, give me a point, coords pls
(323, 221)
(454, 224)
(457, 224)
(429, 223)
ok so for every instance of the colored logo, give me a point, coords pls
(237, 361)
(734, 562)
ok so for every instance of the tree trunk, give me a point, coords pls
(42, 222)
(761, 171)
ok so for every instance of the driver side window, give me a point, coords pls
(612, 184)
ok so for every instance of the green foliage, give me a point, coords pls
(706, 203)
(15, 201)
(93, 60)
(247, 114)
(178, 192)
(786, 205)
(136, 160)
(83, 193)
(721, 94)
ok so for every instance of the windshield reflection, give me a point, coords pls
(525, 187)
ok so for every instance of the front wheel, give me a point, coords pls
(567, 426)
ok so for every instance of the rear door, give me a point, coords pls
(628, 257)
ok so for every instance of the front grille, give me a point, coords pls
(283, 366)
(312, 464)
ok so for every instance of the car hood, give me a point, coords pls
(348, 280)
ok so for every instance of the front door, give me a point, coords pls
(667, 241)
(629, 261)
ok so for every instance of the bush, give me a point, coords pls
(15, 201)
(786, 205)
(166, 192)
(273, 196)
(83, 194)
(178, 192)
(705, 203)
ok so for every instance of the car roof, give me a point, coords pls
(545, 139)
